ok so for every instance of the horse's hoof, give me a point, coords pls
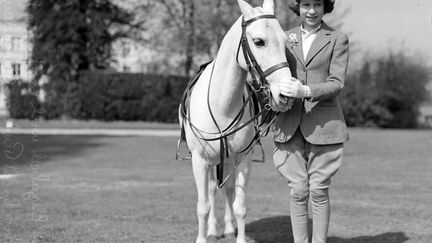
(230, 236)
(201, 240)
(212, 239)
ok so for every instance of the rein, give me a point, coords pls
(260, 86)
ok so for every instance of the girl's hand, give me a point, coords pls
(293, 88)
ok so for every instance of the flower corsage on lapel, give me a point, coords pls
(292, 40)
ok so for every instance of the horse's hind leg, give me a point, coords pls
(212, 220)
(239, 206)
(200, 171)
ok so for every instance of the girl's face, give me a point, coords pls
(311, 12)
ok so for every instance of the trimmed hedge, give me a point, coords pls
(22, 101)
(126, 96)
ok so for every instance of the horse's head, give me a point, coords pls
(266, 41)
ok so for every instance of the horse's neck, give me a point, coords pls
(228, 78)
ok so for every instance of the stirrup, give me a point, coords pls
(260, 156)
(182, 151)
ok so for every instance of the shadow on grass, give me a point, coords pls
(278, 230)
(270, 230)
(19, 150)
(391, 237)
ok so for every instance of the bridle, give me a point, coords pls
(260, 84)
(260, 87)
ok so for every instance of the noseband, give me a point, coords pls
(260, 84)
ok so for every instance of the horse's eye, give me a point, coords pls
(259, 42)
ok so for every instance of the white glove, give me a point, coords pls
(293, 88)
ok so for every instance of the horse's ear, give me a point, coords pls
(269, 6)
(245, 8)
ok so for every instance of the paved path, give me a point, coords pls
(95, 131)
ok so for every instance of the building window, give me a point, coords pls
(16, 69)
(15, 42)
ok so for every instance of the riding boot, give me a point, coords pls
(321, 214)
(299, 218)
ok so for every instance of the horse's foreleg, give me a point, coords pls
(200, 171)
(228, 191)
(212, 221)
(239, 205)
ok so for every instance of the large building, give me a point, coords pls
(14, 56)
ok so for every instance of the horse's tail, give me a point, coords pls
(182, 151)
(180, 116)
(182, 119)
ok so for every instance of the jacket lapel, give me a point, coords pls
(322, 39)
(297, 49)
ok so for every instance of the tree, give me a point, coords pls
(186, 33)
(401, 82)
(386, 92)
(359, 99)
(70, 36)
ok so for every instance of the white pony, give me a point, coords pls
(217, 99)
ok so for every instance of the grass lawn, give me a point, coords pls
(23, 123)
(130, 189)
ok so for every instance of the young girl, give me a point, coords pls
(308, 139)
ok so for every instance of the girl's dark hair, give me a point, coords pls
(328, 6)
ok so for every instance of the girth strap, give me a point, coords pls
(220, 167)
